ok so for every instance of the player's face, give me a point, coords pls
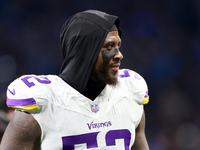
(108, 61)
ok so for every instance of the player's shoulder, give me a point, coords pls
(33, 83)
(134, 83)
(131, 77)
(126, 73)
(28, 91)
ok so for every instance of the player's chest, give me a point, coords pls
(111, 131)
(112, 128)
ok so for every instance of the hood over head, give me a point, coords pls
(81, 39)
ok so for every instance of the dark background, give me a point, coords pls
(160, 41)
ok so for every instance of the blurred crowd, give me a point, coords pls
(160, 41)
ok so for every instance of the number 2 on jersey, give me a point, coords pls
(40, 79)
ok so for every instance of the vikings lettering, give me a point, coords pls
(93, 125)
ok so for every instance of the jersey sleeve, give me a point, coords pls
(136, 85)
(27, 93)
(139, 87)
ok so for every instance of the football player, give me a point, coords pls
(91, 104)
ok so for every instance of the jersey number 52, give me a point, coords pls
(91, 139)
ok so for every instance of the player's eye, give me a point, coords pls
(109, 47)
(119, 45)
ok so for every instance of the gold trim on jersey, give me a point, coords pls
(145, 100)
(29, 108)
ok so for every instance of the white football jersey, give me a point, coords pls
(71, 121)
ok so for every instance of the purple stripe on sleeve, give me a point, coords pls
(146, 95)
(20, 102)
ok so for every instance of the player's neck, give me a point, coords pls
(93, 89)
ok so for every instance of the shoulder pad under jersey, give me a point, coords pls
(27, 92)
(136, 84)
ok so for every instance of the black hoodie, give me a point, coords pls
(81, 39)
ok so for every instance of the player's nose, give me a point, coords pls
(118, 56)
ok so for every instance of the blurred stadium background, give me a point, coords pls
(161, 41)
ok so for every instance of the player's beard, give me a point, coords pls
(101, 74)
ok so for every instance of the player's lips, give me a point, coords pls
(115, 67)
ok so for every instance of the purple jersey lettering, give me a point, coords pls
(125, 74)
(90, 139)
(112, 135)
(40, 79)
(70, 141)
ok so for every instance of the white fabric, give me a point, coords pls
(65, 113)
